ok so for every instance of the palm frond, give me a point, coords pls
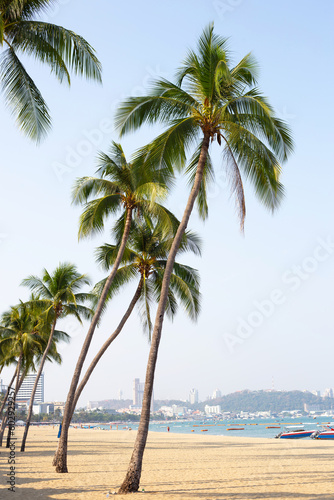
(170, 148)
(166, 102)
(208, 178)
(23, 97)
(123, 276)
(236, 184)
(95, 213)
(29, 38)
(74, 52)
(106, 255)
(24, 9)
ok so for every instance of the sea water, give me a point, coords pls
(248, 428)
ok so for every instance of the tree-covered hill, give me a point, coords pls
(274, 401)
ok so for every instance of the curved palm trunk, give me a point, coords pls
(4, 417)
(132, 478)
(6, 395)
(17, 386)
(61, 458)
(34, 389)
(106, 345)
(103, 350)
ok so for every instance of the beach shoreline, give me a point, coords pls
(176, 466)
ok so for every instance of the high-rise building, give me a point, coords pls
(216, 394)
(26, 388)
(138, 392)
(120, 394)
(3, 388)
(328, 393)
(193, 396)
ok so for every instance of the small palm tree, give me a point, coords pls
(210, 101)
(121, 187)
(20, 339)
(146, 257)
(61, 49)
(60, 295)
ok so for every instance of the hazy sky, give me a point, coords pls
(268, 296)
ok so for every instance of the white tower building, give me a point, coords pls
(27, 386)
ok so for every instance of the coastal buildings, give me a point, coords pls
(26, 389)
(212, 410)
(43, 408)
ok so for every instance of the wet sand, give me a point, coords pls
(176, 466)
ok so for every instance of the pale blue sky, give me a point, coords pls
(135, 41)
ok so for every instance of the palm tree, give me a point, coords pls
(27, 315)
(211, 100)
(20, 338)
(121, 187)
(63, 50)
(59, 296)
(146, 256)
(4, 362)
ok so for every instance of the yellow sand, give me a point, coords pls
(176, 466)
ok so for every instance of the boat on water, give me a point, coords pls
(325, 433)
(296, 433)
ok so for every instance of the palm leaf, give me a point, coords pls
(23, 97)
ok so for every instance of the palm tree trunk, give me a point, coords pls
(4, 418)
(132, 478)
(6, 395)
(103, 350)
(34, 389)
(17, 386)
(106, 345)
(61, 459)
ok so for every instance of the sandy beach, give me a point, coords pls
(176, 466)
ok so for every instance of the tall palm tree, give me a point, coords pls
(59, 296)
(121, 187)
(145, 257)
(211, 100)
(63, 50)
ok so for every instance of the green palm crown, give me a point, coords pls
(62, 50)
(212, 100)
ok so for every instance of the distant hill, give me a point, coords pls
(274, 401)
(249, 401)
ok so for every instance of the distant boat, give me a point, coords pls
(294, 434)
